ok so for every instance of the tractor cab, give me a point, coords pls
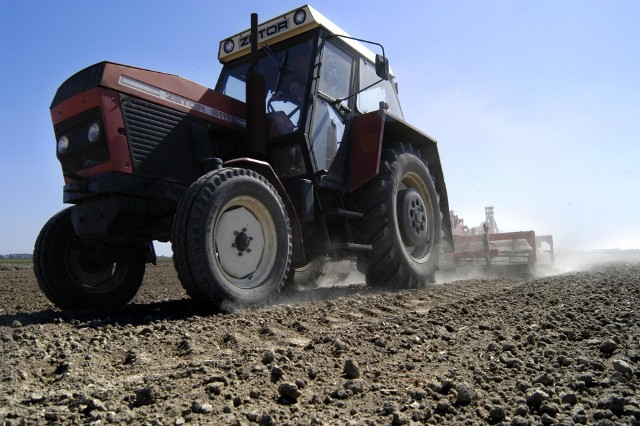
(317, 80)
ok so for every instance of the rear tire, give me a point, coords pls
(231, 239)
(74, 274)
(402, 221)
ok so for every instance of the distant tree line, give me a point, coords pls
(16, 256)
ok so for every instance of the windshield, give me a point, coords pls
(286, 70)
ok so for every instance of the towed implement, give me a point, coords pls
(520, 253)
(298, 155)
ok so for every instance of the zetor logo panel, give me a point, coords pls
(276, 29)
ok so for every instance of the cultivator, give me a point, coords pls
(519, 253)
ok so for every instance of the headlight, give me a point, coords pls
(94, 132)
(63, 144)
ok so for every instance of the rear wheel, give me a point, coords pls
(402, 221)
(232, 239)
(74, 273)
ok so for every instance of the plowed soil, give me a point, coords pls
(560, 349)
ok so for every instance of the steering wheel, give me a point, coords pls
(282, 97)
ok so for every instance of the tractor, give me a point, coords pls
(299, 156)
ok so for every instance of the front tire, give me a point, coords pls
(402, 221)
(232, 239)
(76, 274)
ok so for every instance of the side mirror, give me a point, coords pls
(382, 67)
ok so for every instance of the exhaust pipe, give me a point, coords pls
(256, 103)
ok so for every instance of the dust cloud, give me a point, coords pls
(342, 279)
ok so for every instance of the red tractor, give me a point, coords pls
(299, 155)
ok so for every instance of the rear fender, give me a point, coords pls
(374, 130)
(265, 170)
(366, 148)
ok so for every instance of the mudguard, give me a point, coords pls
(370, 132)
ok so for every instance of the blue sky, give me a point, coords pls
(535, 104)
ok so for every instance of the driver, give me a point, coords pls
(293, 85)
(284, 106)
(296, 91)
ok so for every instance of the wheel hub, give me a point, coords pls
(242, 241)
(412, 217)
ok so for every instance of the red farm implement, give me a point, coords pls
(520, 253)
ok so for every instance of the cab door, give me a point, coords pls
(331, 111)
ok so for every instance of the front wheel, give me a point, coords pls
(77, 274)
(402, 221)
(231, 239)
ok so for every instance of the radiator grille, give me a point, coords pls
(159, 141)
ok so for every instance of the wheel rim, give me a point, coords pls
(243, 246)
(89, 271)
(412, 217)
(415, 217)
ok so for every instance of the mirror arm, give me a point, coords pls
(339, 100)
(384, 62)
(360, 40)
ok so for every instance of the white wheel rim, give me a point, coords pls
(243, 246)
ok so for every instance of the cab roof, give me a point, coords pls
(283, 27)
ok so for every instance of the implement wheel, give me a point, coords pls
(77, 274)
(402, 221)
(231, 239)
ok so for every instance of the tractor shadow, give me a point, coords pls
(179, 309)
(132, 314)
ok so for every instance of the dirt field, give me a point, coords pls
(558, 349)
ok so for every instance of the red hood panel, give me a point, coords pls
(175, 92)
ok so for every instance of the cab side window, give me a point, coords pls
(380, 91)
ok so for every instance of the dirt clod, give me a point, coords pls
(351, 369)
